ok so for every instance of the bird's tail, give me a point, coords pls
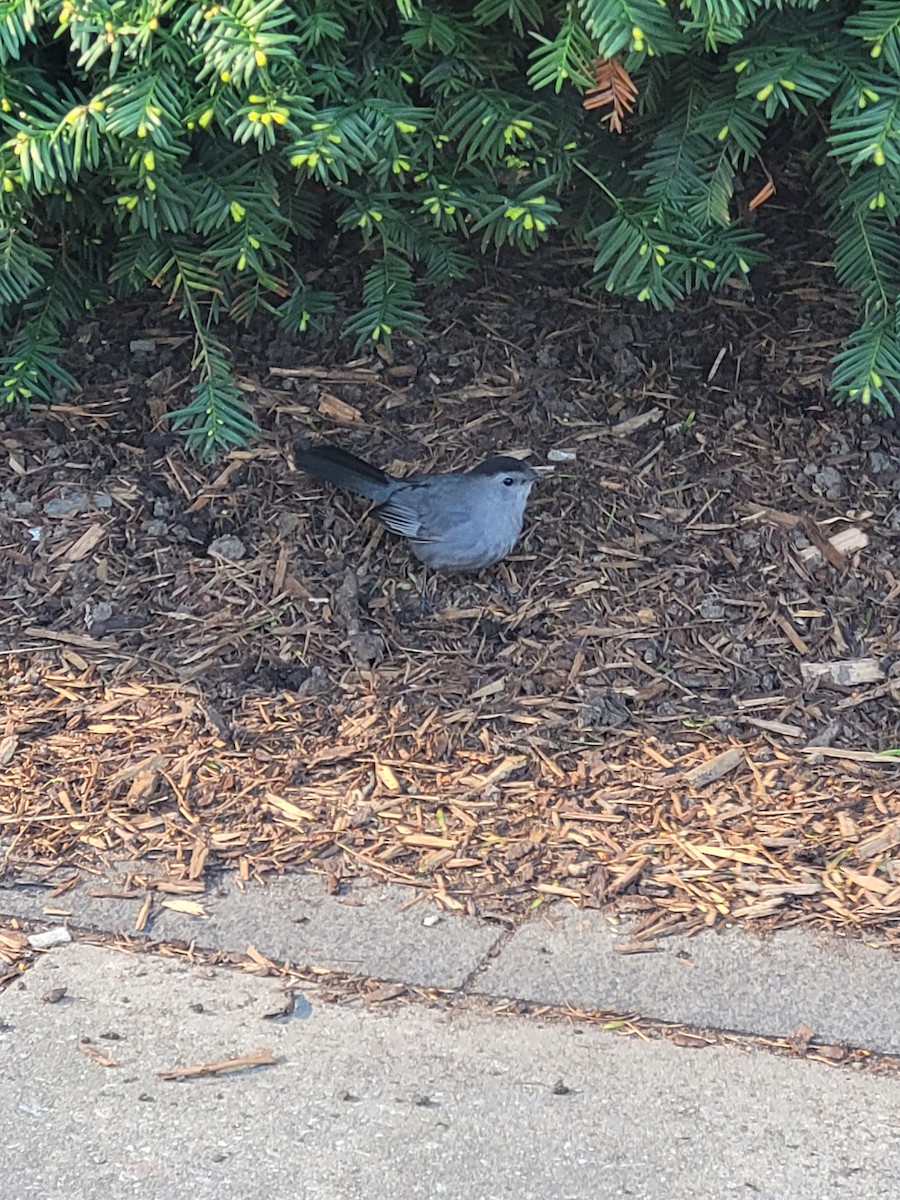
(346, 470)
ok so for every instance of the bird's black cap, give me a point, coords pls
(498, 464)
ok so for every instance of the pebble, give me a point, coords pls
(711, 608)
(881, 462)
(72, 504)
(228, 547)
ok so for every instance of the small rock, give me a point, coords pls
(711, 608)
(364, 647)
(227, 547)
(617, 336)
(625, 364)
(286, 523)
(317, 683)
(881, 462)
(828, 483)
(156, 529)
(73, 503)
(602, 709)
(96, 614)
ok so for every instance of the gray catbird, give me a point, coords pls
(455, 522)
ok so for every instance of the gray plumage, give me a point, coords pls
(461, 521)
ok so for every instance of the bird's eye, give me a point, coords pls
(508, 481)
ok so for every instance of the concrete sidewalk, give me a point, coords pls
(845, 991)
(412, 1102)
(419, 1101)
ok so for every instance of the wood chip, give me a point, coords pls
(385, 991)
(828, 1054)
(489, 689)
(557, 889)
(881, 842)
(429, 841)
(631, 424)
(636, 947)
(497, 774)
(328, 374)
(842, 544)
(628, 877)
(862, 756)
(387, 778)
(780, 727)
(152, 764)
(260, 960)
(199, 856)
(287, 808)
(791, 634)
(691, 1041)
(70, 639)
(733, 855)
(191, 908)
(790, 889)
(844, 672)
(825, 547)
(89, 540)
(709, 772)
(868, 883)
(140, 922)
(91, 1052)
(338, 410)
(257, 1058)
(800, 1039)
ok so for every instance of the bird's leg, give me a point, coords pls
(508, 587)
(505, 594)
(426, 606)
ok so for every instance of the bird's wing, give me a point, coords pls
(400, 515)
(423, 513)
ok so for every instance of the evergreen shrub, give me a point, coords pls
(203, 148)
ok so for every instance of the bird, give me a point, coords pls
(456, 521)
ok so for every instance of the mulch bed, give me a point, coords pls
(677, 695)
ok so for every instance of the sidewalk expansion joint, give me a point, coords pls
(494, 951)
(328, 986)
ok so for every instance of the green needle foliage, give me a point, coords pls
(205, 148)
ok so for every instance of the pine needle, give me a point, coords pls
(615, 89)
